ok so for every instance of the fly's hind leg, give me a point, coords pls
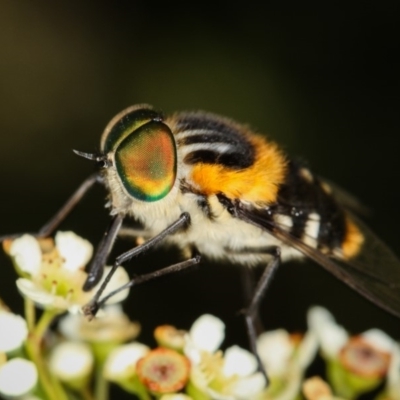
(248, 282)
(251, 312)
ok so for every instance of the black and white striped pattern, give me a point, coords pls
(205, 138)
(312, 214)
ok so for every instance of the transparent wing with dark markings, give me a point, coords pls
(375, 258)
(374, 273)
(347, 200)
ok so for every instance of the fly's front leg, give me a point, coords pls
(96, 267)
(91, 308)
(183, 221)
(115, 229)
(68, 206)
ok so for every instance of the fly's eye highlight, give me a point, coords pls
(146, 161)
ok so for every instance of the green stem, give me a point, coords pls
(101, 386)
(50, 385)
(30, 314)
(43, 324)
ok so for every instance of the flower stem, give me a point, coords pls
(50, 385)
(101, 387)
(43, 324)
(30, 314)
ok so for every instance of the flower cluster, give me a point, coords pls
(357, 364)
(52, 272)
(51, 275)
(79, 359)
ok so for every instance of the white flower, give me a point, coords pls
(114, 326)
(379, 339)
(275, 349)
(17, 377)
(75, 251)
(207, 332)
(27, 254)
(13, 331)
(366, 356)
(231, 377)
(121, 362)
(285, 358)
(72, 363)
(56, 271)
(331, 336)
(241, 366)
(119, 279)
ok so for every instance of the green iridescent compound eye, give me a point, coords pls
(124, 123)
(146, 161)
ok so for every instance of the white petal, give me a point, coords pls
(33, 292)
(293, 386)
(214, 395)
(71, 360)
(175, 396)
(75, 250)
(307, 350)
(379, 339)
(123, 358)
(119, 279)
(17, 377)
(238, 361)
(207, 333)
(247, 388)
(27, 254)
(70, 324)
(200, 378)
(393, 375)
(39, 296)
(275, 349)
(192, 352)
(331, 336)
(13, 331)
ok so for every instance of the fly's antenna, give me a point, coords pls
(100, 158)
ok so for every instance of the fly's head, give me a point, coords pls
(138, 158)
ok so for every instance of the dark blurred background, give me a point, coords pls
(326, 88)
